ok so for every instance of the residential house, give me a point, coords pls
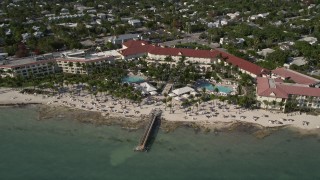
(64, 11)
(233, 15)
(124, 37)
(25, 36)
(310, 40)
(37, 34)
(102, 16)
(135, 22)
(265, 52)
(299, 61)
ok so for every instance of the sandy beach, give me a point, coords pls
(208, 113)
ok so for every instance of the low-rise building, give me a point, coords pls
(310, 40)
(75, 62)
(274, 91)
(299, 61)
(124, 37)
(79, 62)
(265, 52)
(135, 22)
(296, 77)
(30, 66)
(204, 58)
(182, 91)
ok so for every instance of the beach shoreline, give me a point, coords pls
(131, 116)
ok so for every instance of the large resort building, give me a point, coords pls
(204, 58)
(30, 66)
(286, 85)
(75, 62)
(78, 62)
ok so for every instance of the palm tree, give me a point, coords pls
(70, 64)
(203, 91)
(10, 71)
(170, 106)
(170, 100)
(78, 65)
(274, 103)
(266, 103)
(52, 64)
(216, 90)
(281, 104)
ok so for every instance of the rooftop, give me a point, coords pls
(183, 90)
(295, 76)
(125, 37)
(73, 56)
(139, 47)
(270, 88)
(82, 56)
(27, 61)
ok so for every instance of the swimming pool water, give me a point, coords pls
(210, 87)
(224, 89)
(133, 79)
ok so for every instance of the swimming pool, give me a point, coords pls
(210, 87)
(133, 79)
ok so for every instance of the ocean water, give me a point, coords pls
(65, 149)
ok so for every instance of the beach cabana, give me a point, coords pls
(184, 90)
(172, 95)
(148, 87)
(185, 95)
(153, 92)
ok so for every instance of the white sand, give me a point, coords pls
(116, 108)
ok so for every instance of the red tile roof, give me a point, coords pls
(244, 64)
(139, 47)
(182, 52)
(295, 76)
(300, 90)
(267, 86)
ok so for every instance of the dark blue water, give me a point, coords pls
(65, 149)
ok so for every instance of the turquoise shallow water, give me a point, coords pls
(65, 149)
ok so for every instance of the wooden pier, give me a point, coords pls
(154, 115)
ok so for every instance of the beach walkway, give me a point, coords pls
(154, 115)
